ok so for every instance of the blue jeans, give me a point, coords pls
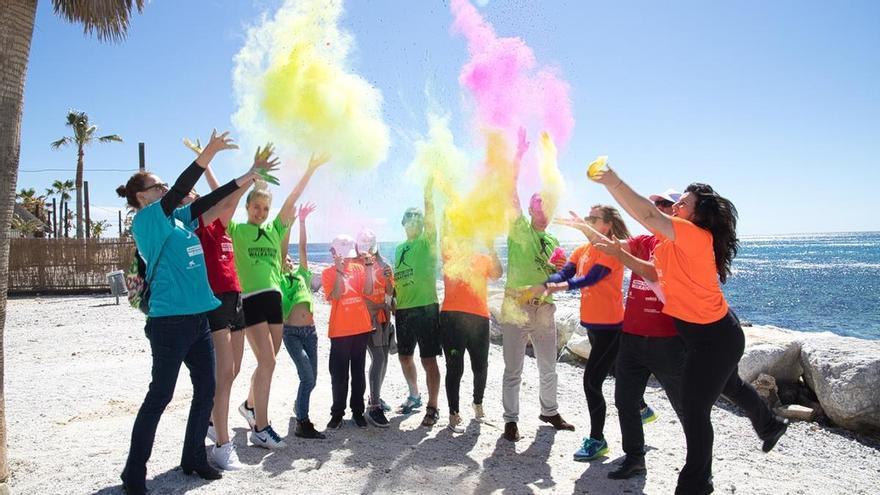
(174, 340)
(302, 345)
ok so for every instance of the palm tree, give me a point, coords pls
(62, 190)
(108, 20)
(83, 135)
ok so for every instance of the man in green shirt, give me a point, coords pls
(417, 313)
(526, 315)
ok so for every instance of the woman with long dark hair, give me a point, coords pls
(180, 298)
(697, 245)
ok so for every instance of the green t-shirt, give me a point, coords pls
(296, 288)
(528, 255)
(415, 273)
(258, 255)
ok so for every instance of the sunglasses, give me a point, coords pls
(592, 219)
(158, 185)
(663, 203)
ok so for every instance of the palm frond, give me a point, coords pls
(111, 138)
(108, 20)
(61, 142)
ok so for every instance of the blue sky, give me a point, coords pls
(776, 104)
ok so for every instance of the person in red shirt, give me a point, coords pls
(464, 324)
(697, 246)
(349, 330)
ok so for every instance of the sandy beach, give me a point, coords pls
(77, 369)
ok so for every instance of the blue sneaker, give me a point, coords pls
(591, 449)
(648, 415)
(410, 404)
(385, 406)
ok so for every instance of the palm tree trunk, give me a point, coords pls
(16, 31)
(79, 186)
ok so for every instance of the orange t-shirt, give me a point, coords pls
(601, 303)
(348, 314)
(380, 282)
(463, 295)
(687, 273)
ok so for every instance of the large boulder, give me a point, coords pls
(844, 373)
(772, 351)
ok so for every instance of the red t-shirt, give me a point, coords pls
(643, 315)
(219, 257)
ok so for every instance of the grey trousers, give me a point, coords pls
(540, 328)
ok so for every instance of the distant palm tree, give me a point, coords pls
(62, 190)
(29, 199)
(83, 135)
(108, 20)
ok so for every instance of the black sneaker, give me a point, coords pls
(305, 429)
(359, 420)
(377, 417)
(335, 423)
(631, 466)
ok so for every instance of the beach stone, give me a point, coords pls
(844, 373)
(568, 323)
(773, 351)
(766, 387)
(579, 345)
(796, 412)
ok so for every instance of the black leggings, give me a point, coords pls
(464, 332)
(604, 344)
(712, 354)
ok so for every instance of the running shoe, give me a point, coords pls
(455, 423)
(648, 415)
(478, 411)
(591, 449)
(629, 467)
(267, 438)
(359, 420)
(376, 416)
(335, 423)
(771, 440)
(225, 457)
(212, 433)
(305, 429)
(248, 414)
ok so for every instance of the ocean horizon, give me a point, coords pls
(806, 282)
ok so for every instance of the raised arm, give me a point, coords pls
(430, 217)
(522, 146)
(620, 250)
(638, 207)
(191, 175)
(288, 212)
(304, 212)
(221, 202)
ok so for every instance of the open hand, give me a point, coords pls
(219, 142)
(316, 161)
(522, 145)
(195, 147)
(265, 160)
(305, 210)
(611, 247)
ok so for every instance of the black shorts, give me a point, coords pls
(263, 307)
(420, 326)
(229, 314)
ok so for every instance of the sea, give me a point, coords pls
(806, 282)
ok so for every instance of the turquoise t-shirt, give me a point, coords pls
(258, 255)
(296, 288)
(175, 262)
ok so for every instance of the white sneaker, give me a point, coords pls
(455, 423)
(225, 458)
(478, 411)
(267, 438)
(248, 414)
(212, 434)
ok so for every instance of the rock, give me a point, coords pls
(579, 345)
(568, 323)
(773, 351)
(797, 412)
(765, 385)
(844, 373)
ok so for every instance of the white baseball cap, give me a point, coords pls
(669, 195)
(366, 241)
(343, 245)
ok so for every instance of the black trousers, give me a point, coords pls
(712, 355)
(604, 345)
(637, 358)
(464, 332)
(348, 353)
